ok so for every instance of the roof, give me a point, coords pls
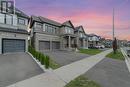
(92, 35)
(35, 18)
(77, 28)
(65, 23)
(22, 31)
(21, 14)
(43, 19)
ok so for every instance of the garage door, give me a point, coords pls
(11, 45)
(44, 45)
(55, 45)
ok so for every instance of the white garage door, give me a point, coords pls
(13, 45)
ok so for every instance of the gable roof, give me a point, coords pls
(77, 28)
(35, 18)
(65, 24)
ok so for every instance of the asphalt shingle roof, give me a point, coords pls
(35, 18)
(43, 19)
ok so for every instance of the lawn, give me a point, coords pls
(118, 55)
(90, 51)
(53, 64)
(81, 81)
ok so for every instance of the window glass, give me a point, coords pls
(21, 21)
(9, 19)
(46, 28)
(4, 7)
(39, 25)
(2, 18)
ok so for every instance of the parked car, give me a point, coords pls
(100, 46)
(128, 53)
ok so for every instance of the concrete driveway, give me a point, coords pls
(110, 73)
(16, 67)
(65, 57)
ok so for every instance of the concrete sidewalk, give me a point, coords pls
(61, 76)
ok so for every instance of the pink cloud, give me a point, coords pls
(94, 23)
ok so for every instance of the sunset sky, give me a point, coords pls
(94, 15)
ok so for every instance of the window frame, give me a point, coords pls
(6, 19)
(22, 20)
(39, 24)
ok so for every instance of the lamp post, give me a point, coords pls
(114, 38)
(113, 24)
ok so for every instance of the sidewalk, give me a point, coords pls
(61, 76)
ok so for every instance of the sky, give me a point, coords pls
(94, 15)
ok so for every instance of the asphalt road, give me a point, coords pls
(110, 73)
(17, 67)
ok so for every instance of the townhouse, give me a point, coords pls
(122, 43)
(47, 35)
(82, 39)
(13, 29)
(93, 40)
(108, 43)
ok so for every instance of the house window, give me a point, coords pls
(81, 34)
(9, 19)
(69, 30)
(2, 18)
(46, 28)
(39, 25)
(4, 6)
(21, 21)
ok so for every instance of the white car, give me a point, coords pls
(100, 46)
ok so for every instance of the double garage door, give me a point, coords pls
(13, 45)
(45, 45)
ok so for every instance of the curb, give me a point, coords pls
(127, 60)
(40, 65)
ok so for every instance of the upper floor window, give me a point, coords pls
(6, 5)
(2, 18)
(69, 30)
(9, 19)
(51, 29)
(81, 35)
(39, 25)
(21, 21)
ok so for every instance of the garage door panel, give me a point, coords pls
(55, 45)
(44, 45)
(10, 45)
